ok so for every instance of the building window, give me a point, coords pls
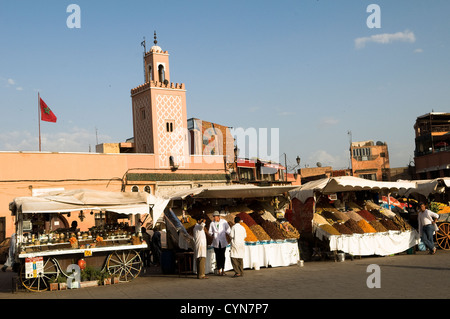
(147, 189)
(169, 126)
(372, 177)
(161, 73)
(362, 154)
(149, 74)
(135, 188)
(142, 110)
(246, 173)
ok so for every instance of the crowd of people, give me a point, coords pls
(219, 229)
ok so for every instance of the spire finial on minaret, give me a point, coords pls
(155, 42)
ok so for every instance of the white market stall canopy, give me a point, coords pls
(429, 186)
(80, 199)
(347, 183)
(234, 191)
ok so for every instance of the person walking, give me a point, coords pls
(156, 245)
(146, 251)
(200, 248)
(218, 229)
(237, 251)
(11, 253)
(427, 221)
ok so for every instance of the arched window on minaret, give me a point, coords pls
(149, 73)
(161, 73)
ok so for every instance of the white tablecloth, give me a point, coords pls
(275, 254)
(383, 244)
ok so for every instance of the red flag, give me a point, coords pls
(46, 113)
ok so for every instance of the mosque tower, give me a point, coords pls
(159, 112)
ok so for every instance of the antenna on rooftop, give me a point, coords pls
(350, 149)
(143, 57)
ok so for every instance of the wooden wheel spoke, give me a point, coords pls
(126, 264)
(41, 281)
(443, 236)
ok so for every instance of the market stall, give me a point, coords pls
(437, 193)
(45, 249)
(269, 242)
(347, 213)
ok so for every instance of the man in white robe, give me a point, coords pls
(237, 251)
(200, 248)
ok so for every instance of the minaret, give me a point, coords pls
(159, 112)
(157, 64)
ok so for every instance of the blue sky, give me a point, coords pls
(292, 65)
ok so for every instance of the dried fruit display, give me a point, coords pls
(366, 227)
(251, 237)
(289, 231)
(259, 232)
(257, 217)
(329, 229)
(272, 230)
(268, 216)
(246, 218)
(341, 216)
(401, 223)
(342, 229)
(389, 224)
(319, 219)
(353, 226)
(378, 226)
(230, 217)
(366, 215)
(354, 206)
(354, 215)
(377, 214)
(329, 215)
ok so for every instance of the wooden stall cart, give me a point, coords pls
(112, 246)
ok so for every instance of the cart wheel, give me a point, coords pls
(443, 236)
(126, 264)
(41, 282)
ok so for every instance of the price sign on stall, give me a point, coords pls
(34, 267)
(87, 253)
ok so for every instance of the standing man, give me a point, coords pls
(156, 245)
(200, 248)
(427, 220)
(11, 253)
(146, 252)
(219, 229)
(237, 252)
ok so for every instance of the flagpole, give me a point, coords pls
(39, 120)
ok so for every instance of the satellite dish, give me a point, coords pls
(319, 164)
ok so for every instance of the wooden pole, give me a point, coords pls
(39, 119)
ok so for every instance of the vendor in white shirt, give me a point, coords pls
(219, 229)
(237, 251)
(426, 226)
(200, 248)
